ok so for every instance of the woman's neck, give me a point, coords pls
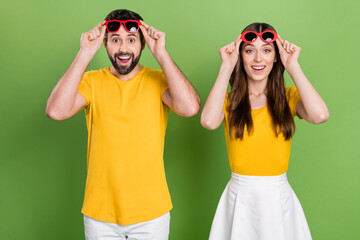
(257, 87)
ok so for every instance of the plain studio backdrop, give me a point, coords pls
(43, 162)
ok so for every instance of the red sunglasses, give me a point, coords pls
(131, 26)
(251, 36)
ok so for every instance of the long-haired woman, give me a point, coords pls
(258, 115)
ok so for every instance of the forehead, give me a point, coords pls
(259, 43)
(123, 33)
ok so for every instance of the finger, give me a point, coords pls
(238, 42)
(286, 43)
(159, 34)
(291, 47)
(150, 31)
(153, 33)
(280, 45)
(238, 38)
(281, 40)
(103, 31)
(144, 24)
(100, 24)
(231, 47)
(145, 32)
(94, 32)
(288, 47)
(92, 36)
(97, 31)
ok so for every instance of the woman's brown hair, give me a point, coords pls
(239, 104)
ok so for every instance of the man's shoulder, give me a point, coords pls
(96, 73)
(153, 73)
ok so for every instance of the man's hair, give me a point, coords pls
(124, 14)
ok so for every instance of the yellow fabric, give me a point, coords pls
(261, 153)
(126, 124)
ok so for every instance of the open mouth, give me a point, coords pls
(258, 68)
(123, 59)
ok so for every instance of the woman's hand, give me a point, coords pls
(289, 53)
(230, 53)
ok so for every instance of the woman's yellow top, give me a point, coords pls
(261, 153)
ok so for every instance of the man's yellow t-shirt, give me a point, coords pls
(261, 153)
(126, 122)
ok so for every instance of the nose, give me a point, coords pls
(257, 56)
(123, 47)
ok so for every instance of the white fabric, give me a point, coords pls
(259, 208)
(156, 229)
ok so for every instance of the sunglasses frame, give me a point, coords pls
(259, 35)
(122, 22)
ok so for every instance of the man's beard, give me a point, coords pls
(123, 70)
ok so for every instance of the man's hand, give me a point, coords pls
(154, 38)
(91, 41)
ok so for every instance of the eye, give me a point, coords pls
(131, 40)
(267, 50)
(115, 40)
(249, 51)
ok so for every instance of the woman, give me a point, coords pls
(258, 115)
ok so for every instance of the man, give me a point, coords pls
(126, 107)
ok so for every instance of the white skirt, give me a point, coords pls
(259, 207)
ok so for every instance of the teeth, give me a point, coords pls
(124, 58)
(258, 68)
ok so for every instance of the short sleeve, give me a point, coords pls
(85, 87)
(163, 83)
(293, 98)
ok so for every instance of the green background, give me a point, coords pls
(43, 162)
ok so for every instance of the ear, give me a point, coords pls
(143, 43)
(105, 42)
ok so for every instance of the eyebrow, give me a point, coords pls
(129, 35)
(265, 44)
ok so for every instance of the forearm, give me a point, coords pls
(213, 114)
(62, 97)
(185, 99)
(314, 106)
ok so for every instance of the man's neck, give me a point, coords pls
(128, 76)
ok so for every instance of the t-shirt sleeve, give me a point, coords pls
(293, 98)
(85, 87)
(163, 83)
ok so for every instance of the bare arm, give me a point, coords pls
(311, 107)
(181, 96)
(64, 101)
(213, 114)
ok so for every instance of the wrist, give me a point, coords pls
(293, 68)
(86, 54)
(161, 55)
(226, 66)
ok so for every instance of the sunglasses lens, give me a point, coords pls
(268, 36)
(132, 26)
(113, 26)
(250, 37)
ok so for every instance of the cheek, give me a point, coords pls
(246, 59)
(136, 48)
